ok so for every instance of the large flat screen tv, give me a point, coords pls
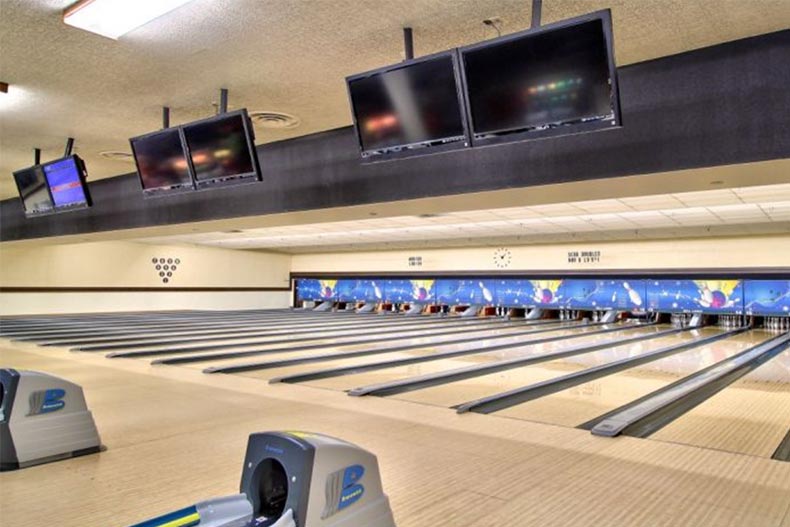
(162, 163)
(410, 108)
(33, 190)
(221, 150)
(66, 182)
(552, 80)
(55, 186)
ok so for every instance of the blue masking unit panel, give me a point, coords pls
(466, 292)
(358, 291)
(618, 294)
(313, 289)
(695, 296)
(767, 297)
(409, 291)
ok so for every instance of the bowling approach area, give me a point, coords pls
(698, 402)
(433, 263)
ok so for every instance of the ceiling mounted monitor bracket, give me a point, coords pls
(165, 117)
(69, 147)
(537, 7)
(36, 156)
(223, 101)
(408, 43)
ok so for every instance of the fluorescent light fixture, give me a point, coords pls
(113, 18)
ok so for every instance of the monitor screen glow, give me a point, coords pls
(417, 104)
(64, 178)
(219, 149)
(32, 185)
(161, 161)
(537, 81)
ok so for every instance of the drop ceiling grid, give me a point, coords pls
(721, 211)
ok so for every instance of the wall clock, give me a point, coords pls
(502, 258)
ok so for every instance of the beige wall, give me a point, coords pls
(126, 264)
(710, 253)
(40, 303)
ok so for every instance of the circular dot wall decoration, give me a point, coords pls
(166, 268)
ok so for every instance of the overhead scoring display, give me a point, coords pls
(551, 80)
(217, 151)
(162, 161)
(52, 187)
(222, 149)
(409, 106)
(33, 190)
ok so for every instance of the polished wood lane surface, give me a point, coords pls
(587, 401)
(751, 417)
(176, 436)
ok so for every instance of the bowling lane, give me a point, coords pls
(328, 335)
(348, 382)
(579, 333)
(469, 389)
(321, 346)
(161, 337)
(582, 403)
(751, 416)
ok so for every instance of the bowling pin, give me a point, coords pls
(635, 297)
(376, 290)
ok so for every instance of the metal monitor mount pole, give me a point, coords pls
(69, 147)
(223, 101)
(408, 43)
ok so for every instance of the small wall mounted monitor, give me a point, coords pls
(162, 163)
(66, 181)
(33, 190)
(409, 108)
(553, 80)
(222, 150)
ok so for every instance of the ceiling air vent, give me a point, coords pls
(117, 155)
(276, 120)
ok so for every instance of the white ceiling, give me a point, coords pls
(282, 55)
(731, 212)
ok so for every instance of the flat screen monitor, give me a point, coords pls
(222, 150)
(162, 162)
(33, 190)
(409, 108)
(553, 80)
(66, 181)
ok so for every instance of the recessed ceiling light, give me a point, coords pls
(113, 18)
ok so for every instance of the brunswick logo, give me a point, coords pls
(47, 401)
(343, 489)
(166, 267)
